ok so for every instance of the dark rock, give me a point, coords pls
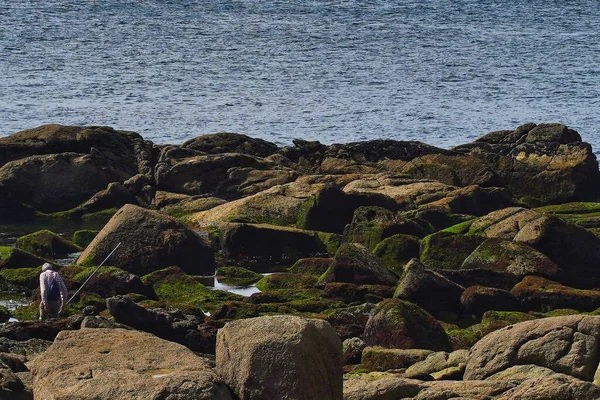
(311, 265)
(226, 142)
(479, 299)
(352, 350)
(46, 330)
(257, 246)
(428, 289)
(350, 322)
(482, 277)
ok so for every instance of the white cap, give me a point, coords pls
(46, 267)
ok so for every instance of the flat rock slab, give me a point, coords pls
(567, 345)
(122, 364)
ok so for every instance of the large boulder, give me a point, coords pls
(227, 175)
(125, 153)
(149, 241)
(280, 357)
(55, 168)
(403, 325)
(354, 263)
(515, 258)
(122, 364)
(539, 164)
(567, 345)
(574, 249)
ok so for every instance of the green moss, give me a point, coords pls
(301, 300)
(237, 276)
(303, 218)
(445, 250)
(561, 312)
(461, 338)
(99, 217)
(571, 208)
(84, 273)
(5, 252)
(331, 241)
(174, 286)
(86, 299)
(84, 237)
(397, 250)
(27, 313)
(286, 281)
(46, 243)
(311, 266)
(21, 277)
(460, 228)
(494, 320)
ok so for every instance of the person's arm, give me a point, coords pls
(64, 293)
(43, 291)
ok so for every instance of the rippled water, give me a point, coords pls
(442, 72)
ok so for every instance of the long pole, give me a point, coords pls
(93, 273)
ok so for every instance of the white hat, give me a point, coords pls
(46, 267)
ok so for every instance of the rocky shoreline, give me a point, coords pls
(397, 270)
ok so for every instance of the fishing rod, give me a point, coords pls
(92, 274)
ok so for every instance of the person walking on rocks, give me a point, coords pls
(53, 292)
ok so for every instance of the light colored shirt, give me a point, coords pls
(46, 279)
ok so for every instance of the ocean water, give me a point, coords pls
(441, 72)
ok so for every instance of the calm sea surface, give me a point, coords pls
(441, 72)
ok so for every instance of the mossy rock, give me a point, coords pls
(370, 225)
(11, 257)
(27, 313)
(493, 320)
(354, 263)
(107, 282)
(575, 208)
(46, 243)
(460, 228)
(85, 299)
(403, 325)
(382, 359)
(311, 266)
(445, 250)
(99, 217)
(175, 286)
(237, 276)
(331, 241)
(302, 300)
(4, 314)
(84, 237)
(21, 277)
(540, 294)
(397, 250)
(286, 281)
(461, 338)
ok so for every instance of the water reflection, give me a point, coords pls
(211, 282)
